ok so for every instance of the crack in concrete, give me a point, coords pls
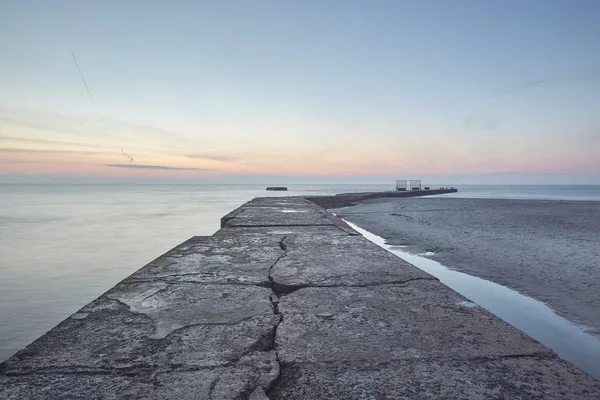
(534, 356)
(81, 370)
(214, 384)
(182, 328)
(280, 225)
(169, 281)
(165, 289)
(158, 277)
(179, 329)
(275, 304)
(155, 369)
(285, 289)
(283, 247)
(263, 344)
(390, 282)
(394, 283)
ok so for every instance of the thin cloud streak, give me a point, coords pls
(86, 86)
(77, 125)
(156, 167)
(43, 141)
(40, 151)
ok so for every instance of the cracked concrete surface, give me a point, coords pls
(416, 320)
(285, 302)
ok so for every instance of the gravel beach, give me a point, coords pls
(549, 250)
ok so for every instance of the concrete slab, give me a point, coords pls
(296, 212)
(274, 216)
(329, 260)
(156, 324)
(281, 202)
(253, 373)
(419, 320)
(256, 370)
(477, 379)
(66, 386)
(224, 259)
(274, 234)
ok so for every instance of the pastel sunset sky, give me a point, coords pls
(323, 90)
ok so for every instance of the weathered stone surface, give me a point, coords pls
(296, 212)
(147, 324)
(270, 216)
(528, 378)
(282, 202)
(422, 319)
(237, 380)
(325, 260)
(273, 234)
(65, 386)
(224, 259)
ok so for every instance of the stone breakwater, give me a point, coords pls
(286, 301)
(349, 199)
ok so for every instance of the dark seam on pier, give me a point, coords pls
(157, 292)
(368, 363)
(156, 369)
(183, 328)
(280, 226)
(82, 370)
(265, 284)
(214, 384)
(284, 289)
(359, 274)
(180, 328)
(275, 305)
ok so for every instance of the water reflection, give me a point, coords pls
(531, 316)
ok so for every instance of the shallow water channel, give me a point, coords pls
(568, 340)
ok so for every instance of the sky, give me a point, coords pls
(338, 91)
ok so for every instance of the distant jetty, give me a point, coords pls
(349, 199)
(277, 188)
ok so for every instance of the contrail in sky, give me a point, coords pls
(86, 86)
(87, 89)
(127, 155)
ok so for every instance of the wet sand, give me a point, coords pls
(548, 250)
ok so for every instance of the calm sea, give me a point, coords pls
(61, 246)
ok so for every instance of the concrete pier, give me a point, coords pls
(286, 301)
(348, 199)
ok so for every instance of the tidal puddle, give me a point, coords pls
(568, 340)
